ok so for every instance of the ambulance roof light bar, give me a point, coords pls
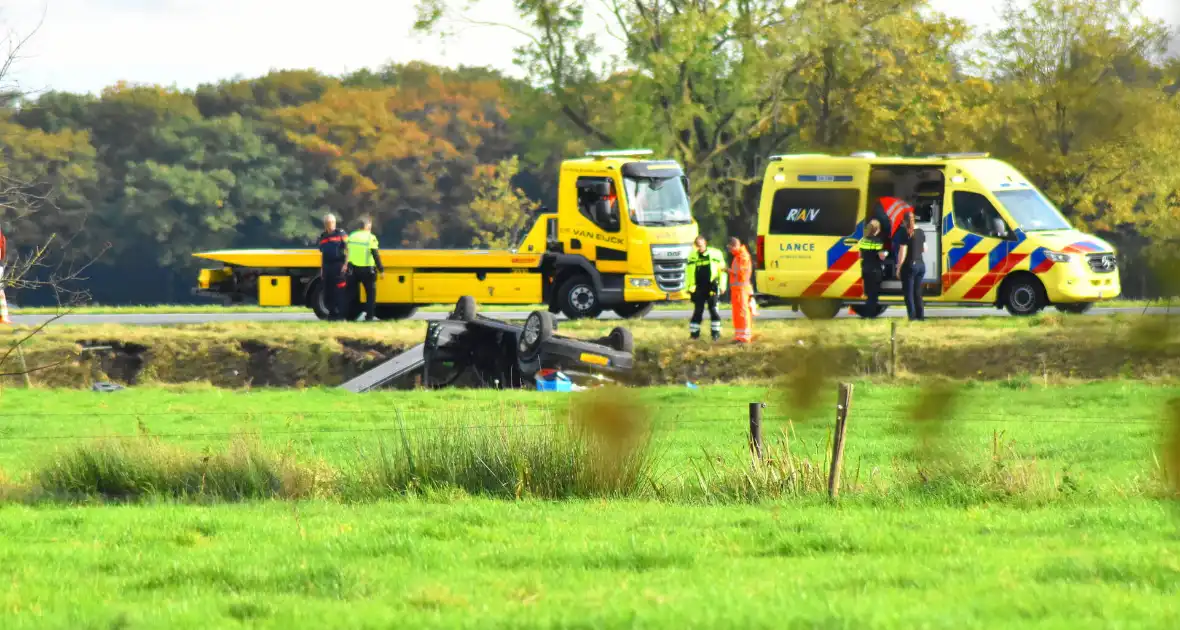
(619, 153)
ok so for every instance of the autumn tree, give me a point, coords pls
(722, 85)
(500, 212)
(1081, 104)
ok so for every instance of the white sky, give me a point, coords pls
(85, 45)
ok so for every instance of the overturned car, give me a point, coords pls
(469, 350)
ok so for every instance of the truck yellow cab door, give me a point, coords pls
(596, 231)
(979, 247)
(813, 227)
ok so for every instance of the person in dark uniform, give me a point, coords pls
(333, 246)
(872, 264)
(706, 281)
(912, 269)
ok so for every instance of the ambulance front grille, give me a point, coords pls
(1102, 263)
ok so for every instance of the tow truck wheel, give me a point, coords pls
(620, 339)
(578, 299)
(819, 309)
(1077, 308)
(464, 309)
(863, 310)
(315, 300)
(633, 310)
(1023, 296)
(537, 329)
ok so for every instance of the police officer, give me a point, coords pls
(362, 256)
(872, 264)
(706, 280)
(333, 246)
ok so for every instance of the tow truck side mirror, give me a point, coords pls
(598, 188)
(603, 213)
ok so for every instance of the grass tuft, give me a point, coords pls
(132, 469)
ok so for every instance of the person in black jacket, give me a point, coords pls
(333, 246)
(872, 264)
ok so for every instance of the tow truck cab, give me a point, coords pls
(991, 236)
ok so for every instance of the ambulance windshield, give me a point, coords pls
(1031, 211)
(657, 201)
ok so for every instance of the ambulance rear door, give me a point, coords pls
(813, 227)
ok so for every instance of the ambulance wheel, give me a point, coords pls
(1077, 308)
(395, 311)
(537, 329)
(633, 310)
(1023, 295)
(620, 339)
(819, 309)
(578, 299)
(863, 310)
(464, 309)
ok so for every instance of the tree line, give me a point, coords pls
(1078, 94)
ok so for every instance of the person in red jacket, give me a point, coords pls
(741, 290)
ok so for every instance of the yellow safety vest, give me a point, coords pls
(361, 244)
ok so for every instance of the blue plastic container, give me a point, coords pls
(553, 381)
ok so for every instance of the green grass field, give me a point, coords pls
(1052, 516)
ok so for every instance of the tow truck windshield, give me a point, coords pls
(1031, 211)
(654, 201)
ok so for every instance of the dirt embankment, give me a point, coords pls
(258, 355)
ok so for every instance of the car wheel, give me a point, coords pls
(621, 339)
(465, 309)
(633, 310)
(538, 328)
(820, 309)
(1078, 308)
(1024, 296)
(578, 299)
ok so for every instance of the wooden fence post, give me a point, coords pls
(756, 430)
(893, 348)
(842, 407)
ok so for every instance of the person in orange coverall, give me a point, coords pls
(740, 291)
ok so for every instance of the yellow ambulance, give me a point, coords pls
(992, 237)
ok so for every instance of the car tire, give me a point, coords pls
(465, 309)
(395, 311)
(621, 339)
(578, 299)
(538, 328)
(633, 310)
(819, 309)
(1024, 296)
(862, 310)
(1076, 308)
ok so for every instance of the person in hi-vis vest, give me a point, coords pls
(362, 258)
(740, 291)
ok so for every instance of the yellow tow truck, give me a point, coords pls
(620, 239)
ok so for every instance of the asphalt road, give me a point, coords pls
(202, 318)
